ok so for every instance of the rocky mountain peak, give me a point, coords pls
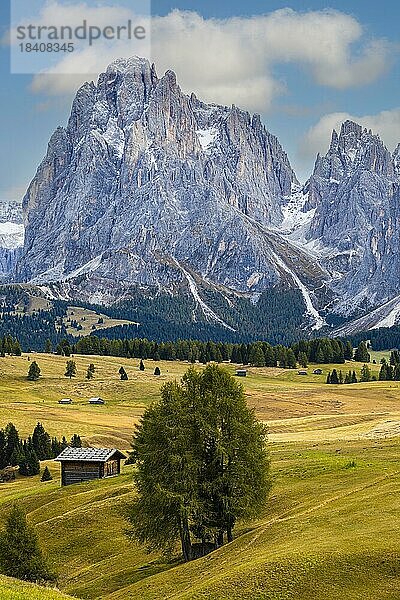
(354, 191)
(150, 188)
(396, 160)
(144, 177)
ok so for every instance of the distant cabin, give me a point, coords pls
(65, 401)
(317, 372)
(96, 401)
(302, 373)
(85, 464)
(241, 373)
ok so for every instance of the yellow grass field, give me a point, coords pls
(89, 321)
(330, 529)
(295, 407)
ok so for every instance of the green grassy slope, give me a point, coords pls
(330, 530)
(12, 589)
(82, 531)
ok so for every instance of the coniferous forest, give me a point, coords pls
(277, 318)
(27, 453)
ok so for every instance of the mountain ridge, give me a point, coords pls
(149, 187)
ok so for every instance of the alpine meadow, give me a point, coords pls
(199, 301)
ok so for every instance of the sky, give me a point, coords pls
(304, 66)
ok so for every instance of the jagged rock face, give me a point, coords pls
(148, 187)
(355, 189)
(145, 177)
(11, 236)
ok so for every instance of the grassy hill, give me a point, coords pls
(330, 529)
(11, 589)
(89, 321)
(295, 407)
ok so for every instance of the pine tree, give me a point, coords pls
(46, 475)
(13, 445)
(41, 442)
(383, 372)
(16, 348)
(328, 378)
(2, 449)
(303, 359)
(202, 464)
(157, 371)
(34, 371)
(270, 358)
(348, 351)
(320, 356)
(361, 354)
(20, 554)
(123, 374)
(354, 377)
(29, 464)
(348, 378)
(48, 347)
(365, 374)
(76, 441)
(291, 359)
(141, 366)
(70, 370)
(394, 357)
(89, 374)
(256, 355)
(334, 377)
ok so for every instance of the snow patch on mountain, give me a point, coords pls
(393, 318)
(207, 138)
(386, 315)
(11, 235)
(296, 217)
(207, 311)
(114, 136)
(89, 267)
(319, 321)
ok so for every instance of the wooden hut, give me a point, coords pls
(96, 400)
(241, 373)
(85, 464)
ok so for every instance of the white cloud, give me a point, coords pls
(386, 124)
(233, 60)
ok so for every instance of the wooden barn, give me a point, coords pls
(65, 401)
(85, 464)
(96, 400)
(241, 373)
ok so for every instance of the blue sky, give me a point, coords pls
(300, 89)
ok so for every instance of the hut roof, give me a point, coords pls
(89, 454)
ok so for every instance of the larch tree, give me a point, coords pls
(70, 370)
(361, 354)
(34, 371)
(202, 464)
(20, 553)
